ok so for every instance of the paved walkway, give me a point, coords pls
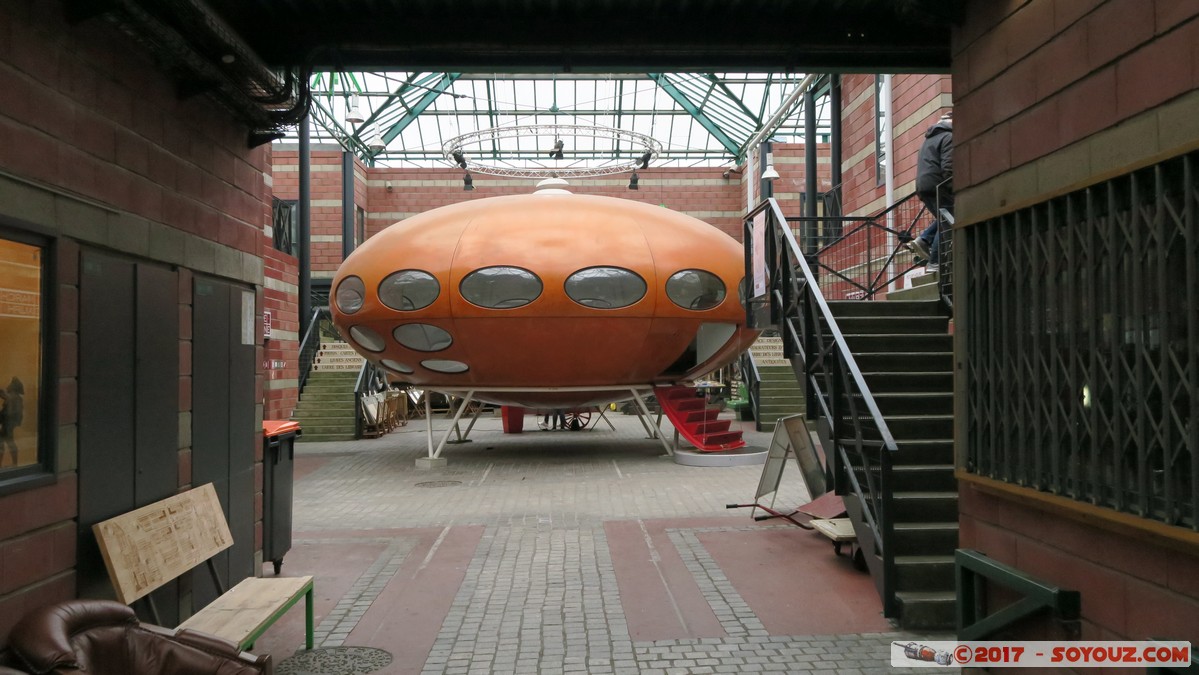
(563, 552)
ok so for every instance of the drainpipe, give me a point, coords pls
(348, 236)
(834, 104)
(889, 121)
(305, 228)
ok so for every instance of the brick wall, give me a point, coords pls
(699, 192)
(790, 161)
(919, 100)
(1053, 96)
(1131, 588)
(98, 151)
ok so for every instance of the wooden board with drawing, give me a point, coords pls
(148, 547)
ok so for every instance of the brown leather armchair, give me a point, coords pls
(101, 637)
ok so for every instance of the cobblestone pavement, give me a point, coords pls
(540, 594)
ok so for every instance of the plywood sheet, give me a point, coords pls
(148, 547)
(837, 529)
(248, 607)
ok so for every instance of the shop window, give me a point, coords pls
(25, 447)
(605, 287)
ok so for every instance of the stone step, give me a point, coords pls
(325, 438)
(927, 610)
(924, 573)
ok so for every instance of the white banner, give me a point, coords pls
(1063, 654)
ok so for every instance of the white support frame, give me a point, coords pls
(643, 414)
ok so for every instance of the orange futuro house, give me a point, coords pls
(518, 297)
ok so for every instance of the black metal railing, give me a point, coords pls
(753, 386)
(945, 277)
(861, 454)
(972, 571)
(855, 257)
(310, 344)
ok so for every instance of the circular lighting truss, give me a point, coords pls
(625, 151)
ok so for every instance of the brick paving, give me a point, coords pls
(539, 593)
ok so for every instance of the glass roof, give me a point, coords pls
(696, 119)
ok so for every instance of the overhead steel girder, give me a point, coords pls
(417, 108)
(700, 116)
(327, 121)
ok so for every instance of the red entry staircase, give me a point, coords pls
(696, 421)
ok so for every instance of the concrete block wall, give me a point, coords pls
(98, 152)
(1051, 97)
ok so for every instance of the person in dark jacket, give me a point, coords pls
(934, 186)
(11, 417)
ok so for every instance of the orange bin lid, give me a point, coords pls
(272, 428)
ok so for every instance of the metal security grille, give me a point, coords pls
(1081, 326)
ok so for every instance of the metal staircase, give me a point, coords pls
(696, 420)
(905, 355)
(879, 382)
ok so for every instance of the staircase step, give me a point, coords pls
(694, 416)
(325, 438)
(689, 404)
(342, 399)
(919, 477)
(925, 538)
(910, 381)
(323, 414)
(908, 345)
(889, 362)
(912, 427)
(924, 506)
(924, 451)
(922, 292)
(886, 323)
(927, 610)
(331, 385)
(927, 573)
(842, 308)
(919, 426)
(780, 409)
(713, 427)
(679, 393)
(910, 403)
(722, 440)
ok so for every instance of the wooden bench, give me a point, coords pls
(148, 547)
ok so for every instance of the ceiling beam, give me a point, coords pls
(416, 109)
(697, 113)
